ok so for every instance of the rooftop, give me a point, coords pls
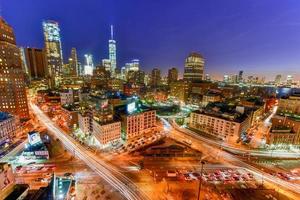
(223, 111)
(4, 116)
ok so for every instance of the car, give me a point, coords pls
(187, 177)
(196, 175)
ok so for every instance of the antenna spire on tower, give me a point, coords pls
(112, 32)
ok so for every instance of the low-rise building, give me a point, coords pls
(68, 96)
(220, 121)
(7, 127)
(100, 123)
(211, 96)
(137, 121)
(284, 130)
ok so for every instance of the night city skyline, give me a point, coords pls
(251, 36)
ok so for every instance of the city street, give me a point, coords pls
(105, 170)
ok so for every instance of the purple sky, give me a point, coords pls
(261, 37)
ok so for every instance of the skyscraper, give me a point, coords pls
(106, 64)
(194, 67)
(289, 79)
(73, 62)
(53, 51)
(112, 52)
(155, 77)
(89, 66)
(172, 75)
(240, 76)
(277, 79)
(12, 84)
(36, 63)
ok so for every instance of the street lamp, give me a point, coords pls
(200, 183)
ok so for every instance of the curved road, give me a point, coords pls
(108, 172)
(278, 154)
(277, 182)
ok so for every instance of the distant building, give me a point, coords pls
(89, 65)
(7, 127)
(73, 62)
(155, 77)
(194, 67)
(226, 78)
(289, 79)
(180, 90)
(106, 64)
(240, 78)
(12, 78)
(112, 52)
(134, 65)
(207, 77)
(53, 51)
(277, 80)
(36, 63)
(172, 75)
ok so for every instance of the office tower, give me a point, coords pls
(12, 84)
(155, 77)
(53, 52)
(194, 67)
(134, 65)
(226, 78)
(73, 62)
(172, 75)
(24, 64)
(240, 78)
(106, 64)
(89, 65)
(112, 52)
(207, 77)
(277, 80)
(36, 63)
(289, 79)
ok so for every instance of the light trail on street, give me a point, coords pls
(14, 151)
(233, 160)
(108, 172)
(271, 153)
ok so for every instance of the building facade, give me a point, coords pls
(7, 127)
(155, 77)
(194, 67)
(53, 51)
(112, 53)
(12, 78)
(36, 63)
(227, 129)
(172, 75)
(138, 123)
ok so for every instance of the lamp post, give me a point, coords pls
(200, 183)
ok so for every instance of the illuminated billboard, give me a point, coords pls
(131, 107)
(34, 138)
